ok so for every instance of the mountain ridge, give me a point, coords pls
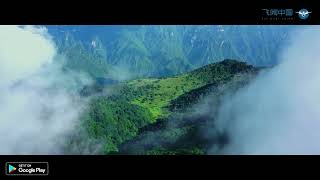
(169, 50)
(121, 110)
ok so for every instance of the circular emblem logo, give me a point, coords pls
(303, 14)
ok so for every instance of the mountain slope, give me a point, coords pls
(170, 50)
(120, 111)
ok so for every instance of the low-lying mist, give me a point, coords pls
(39, 103)
(279, 112)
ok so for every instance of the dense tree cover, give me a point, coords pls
(182, 132)
(156, 116)
(213, 90)
(114, 122)
(134, 114)
(169, 50)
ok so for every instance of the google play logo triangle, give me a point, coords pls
(12, 169)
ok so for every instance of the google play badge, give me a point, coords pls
(11, 169)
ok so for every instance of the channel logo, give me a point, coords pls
(27, 168)
(303, 14)
(11, 169)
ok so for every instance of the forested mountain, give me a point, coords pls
(140, 51)
(158, 87)
(126, 116)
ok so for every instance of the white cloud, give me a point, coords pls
(38, 105)
(279, 113)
